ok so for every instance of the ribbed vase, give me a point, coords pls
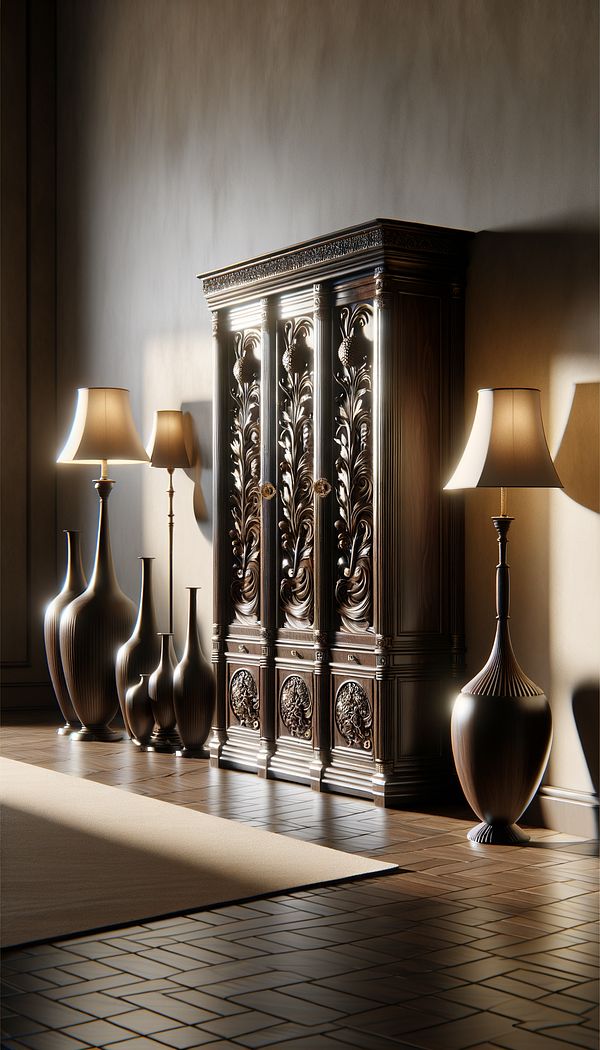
(75, 582)
(501, 728)
(140, 717)
(140, 653)
(160, 688)
(92, 628)
(193, 689)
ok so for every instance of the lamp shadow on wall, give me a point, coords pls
(586, 706)
(197, 425)
(531, 307)
(578, 458)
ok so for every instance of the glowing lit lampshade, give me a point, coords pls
(103, 429)
(507, 446)
(166, 446)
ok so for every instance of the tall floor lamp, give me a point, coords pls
(166, 448)
(501, 722)
(96, 623)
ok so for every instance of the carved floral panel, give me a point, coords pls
(296, 526)
(354, 471)
(245, 470)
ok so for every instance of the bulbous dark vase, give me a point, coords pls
(75, 583)
(140, 716)
(141, 652)
(193, 690)
(160, 688)
(500, 746)
(501, 729)
(92, 628)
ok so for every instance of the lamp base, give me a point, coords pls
(497, 834)
(165, 741)
(192, 752)
(100, 734)
(68, 729)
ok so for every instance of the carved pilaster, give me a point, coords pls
(386, 459)
(221, 548)
(268, 467)
(323, 522)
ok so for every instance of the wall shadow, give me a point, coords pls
(197, 423)
(586, 706)
(578, 458)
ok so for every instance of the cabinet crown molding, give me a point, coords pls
(379, 242)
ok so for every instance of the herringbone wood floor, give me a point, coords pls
(468, 947)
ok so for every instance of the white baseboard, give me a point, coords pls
(572, 812)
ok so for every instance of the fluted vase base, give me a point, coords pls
(498, 834)
(68, 729)
(99, 734)
(165, 741)
(192, 752)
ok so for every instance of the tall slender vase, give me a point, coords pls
(75, 583)
(160, 688)
(193, 689)
(140, 653)
(92, 628)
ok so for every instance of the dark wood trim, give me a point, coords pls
(28, 338)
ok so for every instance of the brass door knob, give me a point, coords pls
(321, 487)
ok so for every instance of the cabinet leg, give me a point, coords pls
(215, 746)
(263, 758)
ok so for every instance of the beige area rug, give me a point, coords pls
(80, 856)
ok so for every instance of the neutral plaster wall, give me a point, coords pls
(194, 133)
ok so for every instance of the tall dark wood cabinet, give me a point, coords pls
(338, 562)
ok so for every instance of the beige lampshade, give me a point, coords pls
(166, 447)
(507, 446)
(103, 429)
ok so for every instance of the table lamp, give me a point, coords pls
(97, 622)
(166, 448)
(501, 722)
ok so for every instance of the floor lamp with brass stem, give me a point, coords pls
(501, 722)
(166, 448)
(97, 622)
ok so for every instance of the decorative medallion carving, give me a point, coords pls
(354, 481)
(245, 462)
(243, 698)
(354, 716)
(296, 491)
(295, 707)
